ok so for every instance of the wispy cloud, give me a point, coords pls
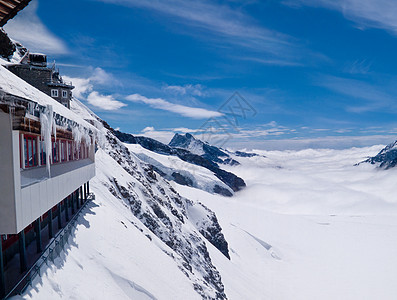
(186, 111)
(187, 89)
(28, 29)
(365, 13)
(224, 25)
(359, 66)
(372, 97)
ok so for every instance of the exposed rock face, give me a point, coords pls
(386, 158)
(179, 223)
(195, 146)
(234, 182)
(7, 47)
(245, 154)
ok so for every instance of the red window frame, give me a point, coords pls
(55, 156)
(43, 158)
(29, 140)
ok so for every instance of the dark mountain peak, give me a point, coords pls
(386, 158)
(189, 136)
(182, 140)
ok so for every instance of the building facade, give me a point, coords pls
(45, 173)
(34, 70)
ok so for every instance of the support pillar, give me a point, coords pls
(37, 229)
(2, 275)
(88, 187)
(23, 261)
(81, 195)
(73, 199)
(50, 225)
(67, 209)
(59, 216)
(85, 192)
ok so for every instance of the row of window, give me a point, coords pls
(34, 151)
(55, 93)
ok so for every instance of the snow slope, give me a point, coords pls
(132, 197)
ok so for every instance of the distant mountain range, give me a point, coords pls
(193, 151)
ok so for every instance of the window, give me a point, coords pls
(76, 151)
(43, 153)
(54, 93)
(55, 151)
(70, 152)
(30, 151)
(64, 94)
(63, 151)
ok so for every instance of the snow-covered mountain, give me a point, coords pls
(386, 158)
(186, 167)
(180, 224)
(196, 146)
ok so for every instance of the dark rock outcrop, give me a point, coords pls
(7, 47)
(386, 158)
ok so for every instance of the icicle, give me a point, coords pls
(46, 122)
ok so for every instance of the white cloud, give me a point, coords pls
(365, 13)
(188, 89)
(82, 86)
(84, 90)
(186, 111)
(163, 136)
(28, 29)
(102, 77)
(104, 102)
(148, 129)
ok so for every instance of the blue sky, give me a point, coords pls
(315, 73)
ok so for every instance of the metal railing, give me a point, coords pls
(53, 250)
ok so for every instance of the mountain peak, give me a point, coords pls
(183, 141)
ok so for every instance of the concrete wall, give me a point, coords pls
(37, 198)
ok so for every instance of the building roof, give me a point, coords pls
(13, 85)
(9, 8)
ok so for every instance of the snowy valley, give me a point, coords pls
(308, 225)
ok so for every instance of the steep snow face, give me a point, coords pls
(180, 228)
(386, 158)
